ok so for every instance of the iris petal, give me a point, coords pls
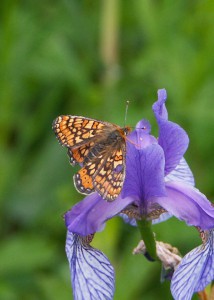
(92, 274)
(188, 204)
(144, 173)
(195, 271)
(163, 217)
(172, 138)
(159, 107)
(89, 215)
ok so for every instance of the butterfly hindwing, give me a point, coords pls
(83, 181)
(108, 181)
(107, 173)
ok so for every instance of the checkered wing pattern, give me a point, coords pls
(105, 173)
(77, 155)
(78, 134)
(97, 146)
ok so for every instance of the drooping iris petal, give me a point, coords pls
(188, 204)
(172, 138)
(89, 215)
(92, 274)
(181, 173)
(195, 271)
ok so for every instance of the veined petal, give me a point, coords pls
(195, 271)
(172, 138)
(92, 274)
(89, 215)
(188, 204)
(181, 173)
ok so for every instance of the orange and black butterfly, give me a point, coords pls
(100, 148)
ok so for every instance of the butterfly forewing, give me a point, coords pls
(74, 131)
(97, 146)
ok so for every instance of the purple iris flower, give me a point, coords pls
(158, 184)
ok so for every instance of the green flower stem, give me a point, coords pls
(148, 237)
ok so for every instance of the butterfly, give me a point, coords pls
(99, 148)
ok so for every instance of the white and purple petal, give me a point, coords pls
(92, 274)
(172, 138)
(126, 219)
(181, 173)
(195, 271)
(163, 217)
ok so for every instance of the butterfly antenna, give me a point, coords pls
(126, 112)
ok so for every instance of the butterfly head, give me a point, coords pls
(127, 130)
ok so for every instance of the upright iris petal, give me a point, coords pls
(145, 171)
(172, 138)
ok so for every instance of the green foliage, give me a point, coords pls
(55, 59)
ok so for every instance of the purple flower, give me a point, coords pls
(158, 184)
(157, 179)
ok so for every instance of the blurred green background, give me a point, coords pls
(87, 58)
